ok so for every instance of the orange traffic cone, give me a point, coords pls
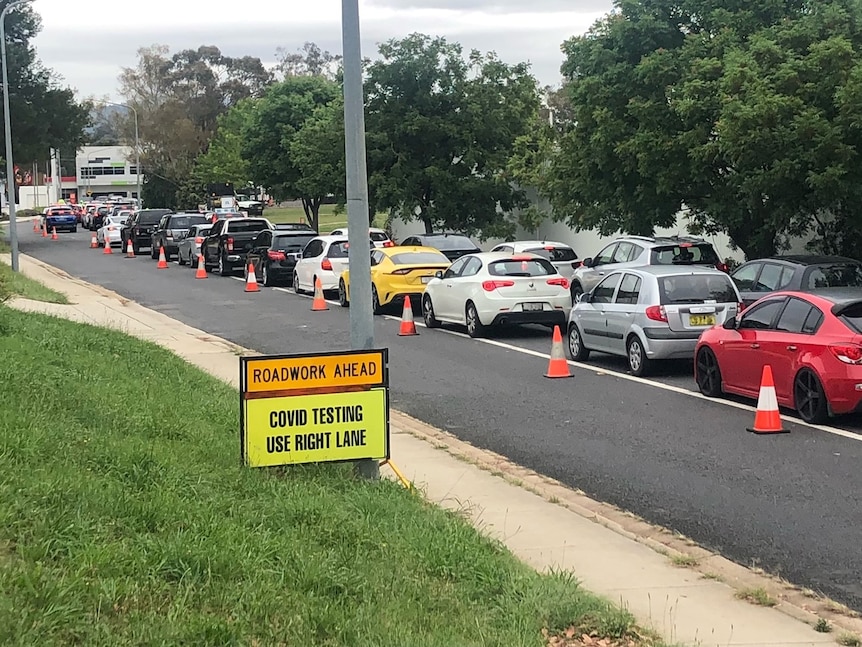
(202, 271)
(251, 280)
(54, 235)
(35, 225)
(130, 249)
(44, 228)
(319, 302)
(767, 419)
(163, 263)
(558, 366)
(94, 242)
(107, 245)
(408, 326)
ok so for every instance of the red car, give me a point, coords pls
(812, 341)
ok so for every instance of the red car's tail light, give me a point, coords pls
(847, 353)
(656, 313)
(388, 243)
(230, 244)
(326, 264)
(561, 281)
(490, 286)
(275, 255)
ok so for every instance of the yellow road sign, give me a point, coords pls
(301, 373)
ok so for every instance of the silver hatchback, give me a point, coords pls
(650, 313)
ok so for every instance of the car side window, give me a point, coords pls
(629, 291)
(455, 268)
(744, 277)
(622, 253)
(376, 258)
(410, 241)
(604, 257)
(770, 278)
(504, 248)
(761, 316)
(163, 223)
(264, 239)
(472, 267)
(604, 291)
(313, 249)
(796, 314)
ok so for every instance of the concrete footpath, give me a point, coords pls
(687, 594)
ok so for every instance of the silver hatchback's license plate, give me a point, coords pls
(533, 307)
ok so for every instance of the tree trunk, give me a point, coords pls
(756, 241)
(311, 206)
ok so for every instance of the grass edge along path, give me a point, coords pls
(14, 284)
(127, 520)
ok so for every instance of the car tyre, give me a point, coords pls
(639, 363)
(135, 248)
(264, 275)
(154, 252)
(575, 345)
(180, 258)
(223, 268)
(475, 328)
(576, 290)
(707, 373)
(428, 313)
(342, 294)
(376, 308)
(296, 284)
(809, 398)
(74, 230)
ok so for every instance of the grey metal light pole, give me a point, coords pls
(359, 256)
(137, 144)
(10, 166)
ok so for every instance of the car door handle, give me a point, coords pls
(755, 346)
(791, 348)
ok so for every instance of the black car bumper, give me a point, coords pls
(543, 317)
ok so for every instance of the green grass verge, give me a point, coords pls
(126, 520)
(329, 219)
(16, 284)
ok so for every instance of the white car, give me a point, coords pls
(324, 258)
(494, 289)
(562, 256)
(379, 236)
(111, 231)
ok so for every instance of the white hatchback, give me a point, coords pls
(324, 258)
(111, 231)
(494, 289)
(379, 236)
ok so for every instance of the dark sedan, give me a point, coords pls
(804, 273)
(274, 254)
(453, 245)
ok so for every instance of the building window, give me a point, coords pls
(94, 171)
(133, 170)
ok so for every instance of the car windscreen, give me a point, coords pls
(150, 217)
(554, 254)
(117, 220)
(687, 288)
(836, 275)
(240, 226)
(418, 258)
(202, 231)
(449, 242)
(684, 254)
(102, 211)
(291, 243)
(184, 222)
(515, 267)
(378, 236)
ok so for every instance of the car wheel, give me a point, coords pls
(428, 313)
(475, 328)
(223, 267)
(154, 251)
(575, 345)
(135, 249)
(264, 275)
(74, 230)
(376, 308)
(296, 284)
(342, 294)
(180, 258)
(707, 373)
(638, 361)
(809, 398)
(576, 291)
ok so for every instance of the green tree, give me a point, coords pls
(737, 112)
(441, 129)
(223, 160)
(268, 136)
(43, 113)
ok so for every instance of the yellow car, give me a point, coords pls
(397, 272)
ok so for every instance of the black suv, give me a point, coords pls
(139, 227)
(803, 273)
(274, 254)
(453, 245)
(172, 228)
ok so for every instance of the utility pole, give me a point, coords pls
(359, 251)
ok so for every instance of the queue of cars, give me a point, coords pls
(645, 299)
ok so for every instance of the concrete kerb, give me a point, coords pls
(801, 604)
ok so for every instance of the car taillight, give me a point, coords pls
(490, 286)
(388, 243)
(326, 264)
(199, 239)
(723, 267)
(561, 281)
(656, 313)
(230, 244)
(276, 255)
(847, 353)
(401, 272)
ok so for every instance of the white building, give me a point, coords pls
(103, 171)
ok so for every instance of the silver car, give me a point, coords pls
(650, 313)
(562, 256)
(190, 247)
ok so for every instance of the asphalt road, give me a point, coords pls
(789, 503)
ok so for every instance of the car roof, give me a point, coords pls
(806, 259)
(328, 238)
(663, 240)
(673, 270)
(409, 249)
(438, 234)
(286, 233)
(536, 243)
(497, 256)
(370, 229)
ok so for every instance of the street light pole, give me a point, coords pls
(137, 144)
(10, 166)
(359, 257)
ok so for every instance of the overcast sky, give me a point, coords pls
(89, 42)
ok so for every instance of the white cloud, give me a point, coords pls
(89, 47)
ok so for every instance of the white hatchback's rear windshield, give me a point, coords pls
(555, 254)
(378, 236)
(532, 267)
(696, 289)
